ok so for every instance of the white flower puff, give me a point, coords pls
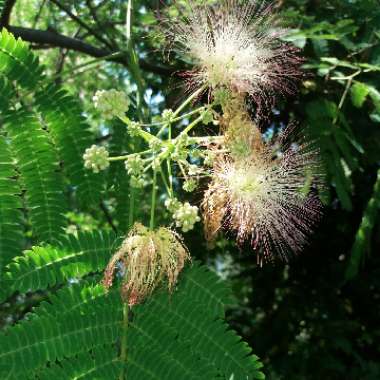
(267, 198)
(236, 46)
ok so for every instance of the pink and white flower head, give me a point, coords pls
(149, 258)
(266, 198)
(237, 46)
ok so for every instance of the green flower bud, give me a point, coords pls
(221, 97)
(190, 185)
(167, 115)
(207, 116)
(155, 144)
(111, 103)
(96, 158)
(186, 216)
(172, 204)
(134, 165)
(137, 182)
(134, 128)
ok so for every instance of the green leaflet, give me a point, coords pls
(30, 144)
(76, 297)
(11, 229)
(207, 289)
(39, 174)
(359, 92)
(73, 257)
(59, 111)
(363, 236)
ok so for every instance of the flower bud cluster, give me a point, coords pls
(184, 214)
(134, 128)
(190, 185)
(111, 103)
(134, 165)
(221, 97)
(193, 170)
(172, 204)
(167, 115)
(207, 116)
(96, 158)
(180, 151)
(135, 168)
(138, 182)
(155, 145)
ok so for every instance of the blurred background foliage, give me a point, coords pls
(317, 316)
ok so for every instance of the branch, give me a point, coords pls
(6, 13)
(81, 23)
(54, 39)
(38, 15)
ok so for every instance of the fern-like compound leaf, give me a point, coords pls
(118, 179)
(192, 317)
(47, 338)
(338, 147)
(102, 363)
(70, 132)
(17, 62)
(39, 173)
(72, 258)
(76, 333)
(11, 231)
(364, 234)
(59, 111)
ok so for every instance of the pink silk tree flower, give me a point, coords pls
(235, 46)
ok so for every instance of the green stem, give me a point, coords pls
(131, 212)
(135, 70)
(179, 118)
(91, 62)
(125, 157)
(123, 352)
(153, 204)
(169, 163)
(191, 126)
(168, 190)
(182, 170)
(188, 100)
(343, 98)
